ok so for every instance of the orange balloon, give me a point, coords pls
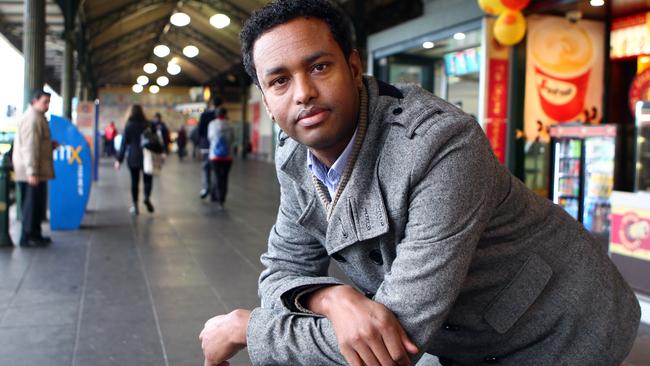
(515, 4)
(492, 7)
(510, 28)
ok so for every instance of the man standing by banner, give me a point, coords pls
(32, 159)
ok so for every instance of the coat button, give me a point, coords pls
(397, 111)
(450, 327)
(375, 257)
(369, 295)
(339, 258)
(491, 360)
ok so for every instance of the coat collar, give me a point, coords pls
(360, 213)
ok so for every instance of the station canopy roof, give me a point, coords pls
(119, 36)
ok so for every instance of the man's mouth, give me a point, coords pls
(312, 116)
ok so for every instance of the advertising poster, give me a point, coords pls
(564, 73)
(86, 121)
(496, 106)
(255, 122)
(630, 235)
(70, 189)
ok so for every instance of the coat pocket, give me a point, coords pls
(519, 294)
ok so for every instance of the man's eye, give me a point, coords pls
(279, 81)
(319, 67)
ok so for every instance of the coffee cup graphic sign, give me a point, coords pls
(564, 72)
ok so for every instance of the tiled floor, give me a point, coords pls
(136, 291)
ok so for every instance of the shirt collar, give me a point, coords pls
(331, 177)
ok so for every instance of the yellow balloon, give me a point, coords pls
(510, 28)
(492, 7)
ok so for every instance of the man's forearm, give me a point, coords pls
(319, 300)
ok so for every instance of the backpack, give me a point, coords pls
(220, 149)
(149, 140)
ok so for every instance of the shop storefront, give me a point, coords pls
(448, 65)
(629, 103)
(443, 56)
(560, 100)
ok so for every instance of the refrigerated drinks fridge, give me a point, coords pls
(642, 179)
(582, 174)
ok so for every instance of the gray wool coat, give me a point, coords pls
(476, 267)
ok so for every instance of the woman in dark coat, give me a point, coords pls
(132, 148)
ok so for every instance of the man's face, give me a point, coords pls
(309, 87)
(42, 104)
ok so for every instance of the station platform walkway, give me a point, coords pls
(127, 290)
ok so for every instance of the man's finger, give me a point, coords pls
(351, 356)
(408, 343)
(366, 355)
(382, 353)
(396, 349)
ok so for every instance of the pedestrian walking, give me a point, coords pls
(138, 135)
(181, 143)
(109, 137)
(204, 144)
(221, 136)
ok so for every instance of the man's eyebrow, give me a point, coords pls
(309, 59)
(275, 70)
(315, 56)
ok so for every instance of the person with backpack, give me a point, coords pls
(138, 135)
(221, 136)
(204, 144)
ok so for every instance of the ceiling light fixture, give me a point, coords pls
(173, 68)
(597, 2)
(428, 45)
(180, 19)
(459, 36)
(161, 50)
(162, 81)
(149, 68)
(191, 51)
(143, 80)
(154, 89)
(220, 21)
(137, 88)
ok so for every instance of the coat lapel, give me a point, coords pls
(361, 210)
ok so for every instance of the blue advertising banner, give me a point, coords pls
(70, 189)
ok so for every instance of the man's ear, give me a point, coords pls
(266, 106)
(356, 68)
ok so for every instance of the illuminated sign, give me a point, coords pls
(629, 37)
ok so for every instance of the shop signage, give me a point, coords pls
(630, 225)
(629, 37)
(564, 73)
(630, 234)
(496, 105)
(70, 189)
(640, 89)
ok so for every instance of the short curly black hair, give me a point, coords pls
(282, 11)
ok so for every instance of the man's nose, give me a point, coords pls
(305, 90)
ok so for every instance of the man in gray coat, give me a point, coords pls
(449, 253)
(33, 167)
